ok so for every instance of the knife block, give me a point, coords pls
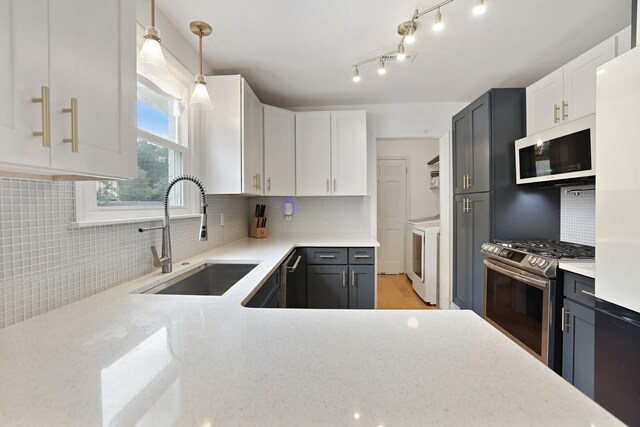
(255, 231)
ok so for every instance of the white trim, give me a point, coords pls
(87, 224)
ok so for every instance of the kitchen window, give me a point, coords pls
(165, 149)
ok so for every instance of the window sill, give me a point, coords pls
(87, 224)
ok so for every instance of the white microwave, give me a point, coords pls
(564, 152)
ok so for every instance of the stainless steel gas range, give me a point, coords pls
(522, 296)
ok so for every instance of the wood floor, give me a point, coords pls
(396, 293)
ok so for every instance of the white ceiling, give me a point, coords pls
(299, 52)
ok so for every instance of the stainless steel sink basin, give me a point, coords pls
(207, 279)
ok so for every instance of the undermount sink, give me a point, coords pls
(207, 279)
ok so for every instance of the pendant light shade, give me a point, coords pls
(200, 99)
(151, 62)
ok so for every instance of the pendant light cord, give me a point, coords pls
(200, 46)
(153, 13)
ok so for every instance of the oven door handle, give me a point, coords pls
(542, 284)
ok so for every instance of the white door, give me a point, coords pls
(313, 154)
(279, 152)
(392, 215)
(93, 59)
(544, 103)
(24, 69)
(252, 145)
(580, 80)
(349, 153)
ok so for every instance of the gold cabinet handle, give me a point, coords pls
(562, 324)
(328, 185)
(556, 112)
(269, 185)
(565, 110)
(334, 185)
(74, 125)
(46, 117)
(464, 182)
(259, 183)
(469, 181)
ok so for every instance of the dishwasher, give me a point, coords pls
(293, 289)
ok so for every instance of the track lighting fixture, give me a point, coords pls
(200, 99)
(401, 56)
(356, 75)
(480, 8)
(407, 29)
(438, 24)
(151, 62)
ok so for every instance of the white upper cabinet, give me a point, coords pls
(544, 100)
(331, 153)
(233, 149)
(62, 46)
(313, 154)
(580, 80)
(24, 57)
(569, 93)
(349, 153)
(279, 152)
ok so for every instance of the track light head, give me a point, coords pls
(381, 70)
(356, 75)
(438, 24)
(480, 8)
(401, 56)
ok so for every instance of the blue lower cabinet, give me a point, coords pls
(268, 296)
(327, 286)
(362, 286)
(578, 346)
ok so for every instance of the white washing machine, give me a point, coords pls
(423, 257)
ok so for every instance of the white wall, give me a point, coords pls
(413, 121)
(422, 200)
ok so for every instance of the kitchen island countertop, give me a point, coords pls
(120, 358)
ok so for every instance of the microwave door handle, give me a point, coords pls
(542, 284)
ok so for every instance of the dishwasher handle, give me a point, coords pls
(295, 265)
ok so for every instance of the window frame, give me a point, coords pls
(88, 213)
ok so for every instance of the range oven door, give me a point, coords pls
(417, 256)
(517, 303)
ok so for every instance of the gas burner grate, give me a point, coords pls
(551, 248)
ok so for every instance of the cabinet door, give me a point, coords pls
(462, 263)
(544, 102)
(349, 153)
(313, 154)
(479, 207)
(362, 286)
(578, 365)
(461, 150)
(24, 69)
(222, 162)
(93, 59)
(279, 152)
(623, 41)
(580, 80)
(327, 286)
(252, 142)
(480, 121)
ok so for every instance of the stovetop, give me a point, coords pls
(540, 257)
(551, 248)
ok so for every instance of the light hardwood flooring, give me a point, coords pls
(396, 293)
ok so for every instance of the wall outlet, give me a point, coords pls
(221, 220)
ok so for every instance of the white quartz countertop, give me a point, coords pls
(584, 268)
(119, 358)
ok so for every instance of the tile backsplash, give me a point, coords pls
(317, 216)
(45, 264)
(578, 215)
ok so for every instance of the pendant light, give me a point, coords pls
(200, 99)
(151, 62)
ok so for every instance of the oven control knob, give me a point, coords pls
(542, 262)
(533, 260)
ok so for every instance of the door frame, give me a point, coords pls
(407, 198)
